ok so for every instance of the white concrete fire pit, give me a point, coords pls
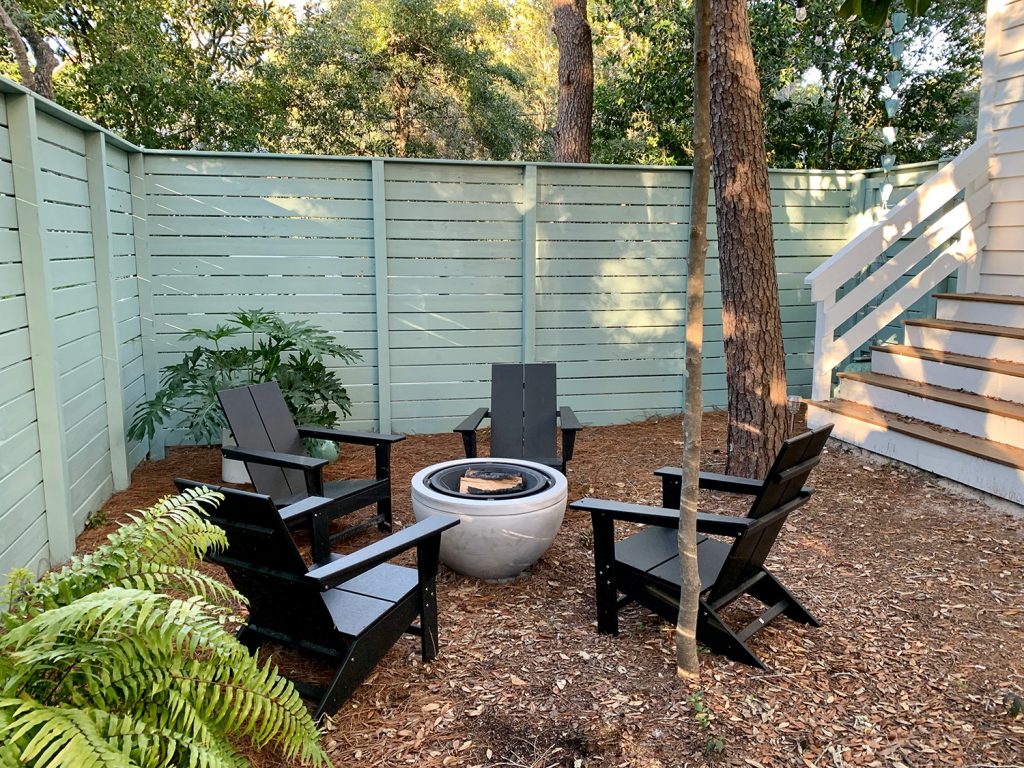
(509, 512)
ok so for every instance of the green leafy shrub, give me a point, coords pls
(290, 352)
(100, 666)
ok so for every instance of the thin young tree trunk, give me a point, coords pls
(751, 324)
(687, 660)
(572, 129)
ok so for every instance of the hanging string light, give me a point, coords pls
(801, 10)
(893, 27)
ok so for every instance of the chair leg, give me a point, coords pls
(770, 591)
(605, 591)
(382, 459)
(428, 621)
(384, 512)
(717, 636)
(251, 639)
(345, 681)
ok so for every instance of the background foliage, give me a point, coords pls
(476, 78)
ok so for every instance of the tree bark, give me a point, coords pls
(751, 323)
(23, 36)
(687, 660)
(19, 30)
(572, 129)
(403, 121)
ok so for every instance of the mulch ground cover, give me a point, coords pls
(919, 660)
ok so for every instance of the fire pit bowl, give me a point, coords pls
(510, 511)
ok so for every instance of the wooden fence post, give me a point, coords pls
(144, 271)
(380, 274)
(530, 263)
(21, 114)
(103, 260)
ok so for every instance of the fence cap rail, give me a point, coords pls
(54, 109)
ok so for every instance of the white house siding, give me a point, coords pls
(1002, 116)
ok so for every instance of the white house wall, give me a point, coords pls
(1002, 114)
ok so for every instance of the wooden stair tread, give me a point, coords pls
(1000, 453)
(990, 298)
(953, 358)
(959, 325)
(940, 394)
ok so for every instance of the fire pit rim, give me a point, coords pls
(480, 506)
(534, 481)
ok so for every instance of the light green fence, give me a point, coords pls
(433, 270)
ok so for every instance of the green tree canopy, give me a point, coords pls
(415, 78)
(477, 78)
(169, 73)
(820, 83)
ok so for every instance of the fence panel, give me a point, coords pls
(455, 286)
(288, 235)
(67, 241)
(611, 288)
(127, 312)
(23, 532)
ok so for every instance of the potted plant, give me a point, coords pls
(252, 347)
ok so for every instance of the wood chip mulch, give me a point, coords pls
(919, 660)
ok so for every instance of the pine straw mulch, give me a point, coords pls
(918, 661)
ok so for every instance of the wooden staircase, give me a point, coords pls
(950, 399)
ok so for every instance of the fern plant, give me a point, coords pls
(121, 658)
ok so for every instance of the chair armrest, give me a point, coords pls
(713, 481)
(567, 419)
(339, 436)
(302, 511)
(632, 513)
(350, 566)
(722, 525)
(468, 429)
(570, 426)
(274, 459)
(472, 422)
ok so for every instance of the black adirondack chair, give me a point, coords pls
(348, 609)
(523, 416)
(270, 444)
(644, 567)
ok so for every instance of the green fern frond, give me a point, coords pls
(122, 649)
(99, 668)
(171, 532)
(158, 577)
(55, 737)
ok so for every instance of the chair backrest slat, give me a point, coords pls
(507, 410)
(264, 564)
(259, 419)
(783, 492)
(793, 464)
(523, 410)
(540, 406)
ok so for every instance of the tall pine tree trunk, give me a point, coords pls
(575, 82)
(751, 324)
(687, 660)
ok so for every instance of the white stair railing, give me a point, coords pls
(965, 221)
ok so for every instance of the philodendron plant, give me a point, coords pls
(122, 658)
(253, 347)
